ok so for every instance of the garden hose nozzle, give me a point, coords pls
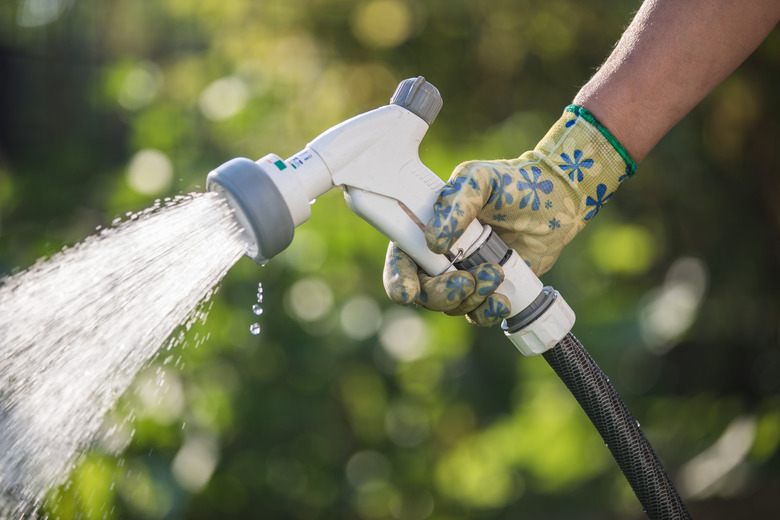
(374, 157)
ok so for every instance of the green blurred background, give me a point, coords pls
(345, 406)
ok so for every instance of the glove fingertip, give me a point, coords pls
(494, 310)
(445, 292)
(400, 277)
(403, 297)
(488, 277)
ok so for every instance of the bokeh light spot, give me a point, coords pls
(223, 98)
(382, 24)
(195, 461)
(161, 394)
(309, 299)
(366, 467)
(150, 172)
(37, 13)
(622, 249)
(140, 86)
(404, 335)
(374, 500)
(360, 317)
(307, 252)
(668, 312)
(407, 424)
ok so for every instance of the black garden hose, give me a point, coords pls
(620, 431)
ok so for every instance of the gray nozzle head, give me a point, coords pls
(258, 206)
(419, 97)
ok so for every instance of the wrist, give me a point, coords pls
(612, 115)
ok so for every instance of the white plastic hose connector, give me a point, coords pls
(545, 331)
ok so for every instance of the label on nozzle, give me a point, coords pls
(275, 160)
(298, 160)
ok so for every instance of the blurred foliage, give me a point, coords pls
(345, 406)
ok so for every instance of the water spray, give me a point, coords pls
(374, 158)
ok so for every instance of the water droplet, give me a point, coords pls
(259, 297)
(257, 309)
(312, 201)
(254, 329)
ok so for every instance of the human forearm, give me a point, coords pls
(673, 54)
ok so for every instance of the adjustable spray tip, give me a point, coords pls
(258, 206)
(418, 97)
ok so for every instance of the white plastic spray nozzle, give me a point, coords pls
(374, 157)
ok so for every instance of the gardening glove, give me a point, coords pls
(536, 203)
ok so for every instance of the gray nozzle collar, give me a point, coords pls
(419, 97)
(492, 250)
(258, 205)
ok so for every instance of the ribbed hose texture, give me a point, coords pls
(618, 428)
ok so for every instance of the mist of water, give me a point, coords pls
(76, 328)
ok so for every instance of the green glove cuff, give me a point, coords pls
(611, 139)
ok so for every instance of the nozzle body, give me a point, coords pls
(374, 158)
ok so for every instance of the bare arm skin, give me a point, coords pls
(673, 54)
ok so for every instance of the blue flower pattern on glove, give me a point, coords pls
(598, 202)
(499, 193)
(456, 289)
(490, 275)
(440, 213)
(533, 184)
(453, 186)
(450, 232)
(396, 259)
(496, 310)
(575, 165)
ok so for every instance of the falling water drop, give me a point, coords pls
(254, 328)
(257, 309)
